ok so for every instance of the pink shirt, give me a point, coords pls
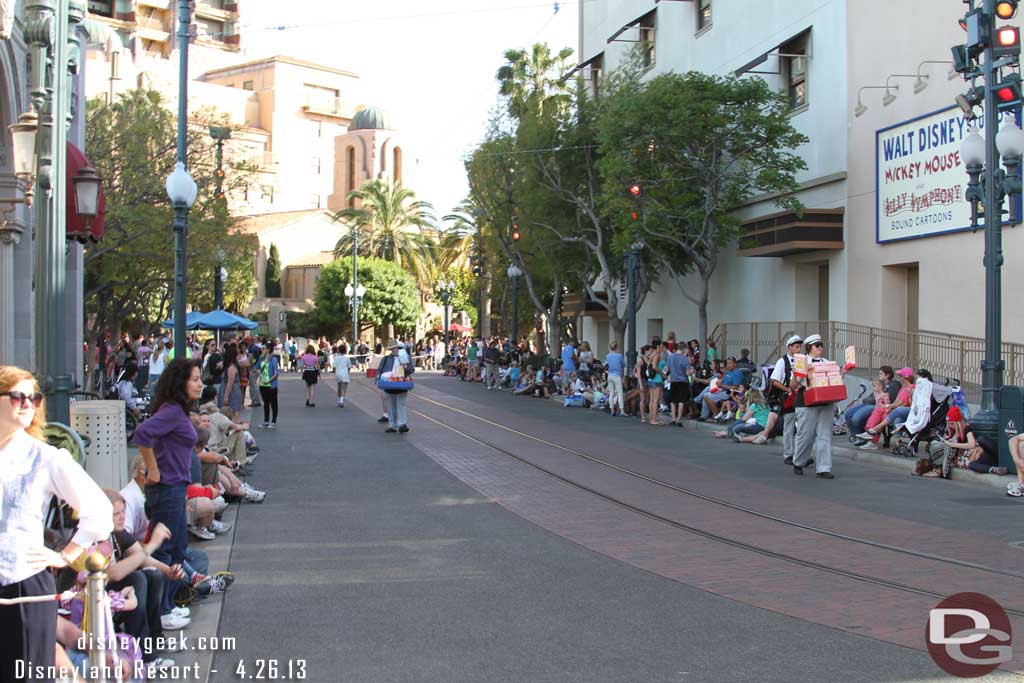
(309, 360)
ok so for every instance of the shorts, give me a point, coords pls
(190, 507)
(310, 376)
(651, 384)
(342, 384)
(679, 392)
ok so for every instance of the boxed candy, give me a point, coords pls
(799, 365)
(835, 380)
(816, 396)
(851, 358)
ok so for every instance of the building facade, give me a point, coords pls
(842, 259)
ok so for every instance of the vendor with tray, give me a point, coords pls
(394, 378)
(818, 383)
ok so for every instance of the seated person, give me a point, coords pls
(216, 472)
(226, 435)
(126, 390)
(752, 422)
(731, 380)
(977, 453)
(201, 509)
(630, 396)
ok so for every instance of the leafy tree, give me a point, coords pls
(700, 146)
(390, 221)
(531, 80)
(129, 275)
(272, 280)
(391, 295)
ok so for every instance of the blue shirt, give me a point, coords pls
(616, 363)
(733, 378)
(678, 364)
(568, 364)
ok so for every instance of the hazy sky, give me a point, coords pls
(430, 65)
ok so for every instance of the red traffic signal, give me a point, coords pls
(515, 233)
(633, 215)
(1007, 42)
(1006, 9)
(635, 190)
(1008, 93)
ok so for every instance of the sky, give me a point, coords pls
(429, 65)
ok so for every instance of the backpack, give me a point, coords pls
(207, 374)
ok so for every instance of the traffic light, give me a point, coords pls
(1006, 9)
(1007, 42)
(515, 233)
(635, 190)
(1008, 93)
(633, 215)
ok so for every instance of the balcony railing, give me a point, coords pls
(323, 104)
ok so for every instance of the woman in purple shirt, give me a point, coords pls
(165, 441)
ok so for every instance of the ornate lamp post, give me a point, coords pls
(355, 300)
(513, 274)
(446, 290)
(220, 276)
(181, 188)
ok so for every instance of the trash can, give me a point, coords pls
(1011, 421)
(103, 423)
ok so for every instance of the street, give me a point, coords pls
(431, 556)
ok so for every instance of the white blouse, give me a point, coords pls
(31, 472)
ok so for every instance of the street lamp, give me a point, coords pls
(513, 273)
(182, 190)
(220, 276)
(632, 277)
(446, 290)
(355, 299)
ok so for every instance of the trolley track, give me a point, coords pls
(703, 533)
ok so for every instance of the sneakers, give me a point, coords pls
(736, 437)
(382, 419)
(869, 446)
(403, 429)
(866, 436)
(251, 495)
(341, 403)
(760, 440)
(201, 532)
(272, 425)
(173, 622)
(1015, 489)
(250, 456)
(219, 527)
(182, 612)
(154, 669)
(264, 425)
(216, 584)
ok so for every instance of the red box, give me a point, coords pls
(824, 395)
(372, 372)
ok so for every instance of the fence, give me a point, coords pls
(944, 355)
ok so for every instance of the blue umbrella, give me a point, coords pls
(222, 320)
(190, 320)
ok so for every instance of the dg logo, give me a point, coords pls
(969, 635)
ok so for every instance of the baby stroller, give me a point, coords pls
(931, 401)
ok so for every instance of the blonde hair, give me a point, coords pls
(11, 375)
(755, 396)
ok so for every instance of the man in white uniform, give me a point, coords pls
(780, 378)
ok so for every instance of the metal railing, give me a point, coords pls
(947, 355)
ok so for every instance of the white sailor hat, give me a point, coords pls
(813, 339)
(795, 339)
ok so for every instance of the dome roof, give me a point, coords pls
(368, 118)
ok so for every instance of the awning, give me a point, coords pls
(455, 327)
(76, 225)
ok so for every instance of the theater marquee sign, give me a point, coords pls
(920, 179)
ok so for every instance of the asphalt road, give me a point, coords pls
(370, 562)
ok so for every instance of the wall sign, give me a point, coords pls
(920, 179)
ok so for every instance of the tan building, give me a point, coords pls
(371, 149)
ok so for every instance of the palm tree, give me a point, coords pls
(457, 242)
(389, 224)
(533, 78)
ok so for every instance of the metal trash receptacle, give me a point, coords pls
(1011, 421)
(103, 423)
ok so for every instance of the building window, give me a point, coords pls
(703, 14)
(210, 29)
(794, 70)
(396, 171)
(350, 158)
(646, 25)
(596, 74)
(103, 8)
(248, 85)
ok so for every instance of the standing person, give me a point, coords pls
(640, 375)
(471, 353)
(255, 353)
(586, 361)
(491, 357)
(342, 364)
(310, 374)
(156, 363)
(143, 352)
(616, 364)
(785, 396)
(244, 368)
(213, 367)
(395, 398)
(269, 369)
(32, 473)
(813, 423)
(166, 441)
(712, 353)
(679, 379)
(231, 390)
(568, 366)
(657, 371)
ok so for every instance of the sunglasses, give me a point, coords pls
(20, 400)
(817, 345)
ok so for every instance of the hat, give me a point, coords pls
(905, 372)
(954, 415)
(393, 345)
(813, 339)
(795, 339)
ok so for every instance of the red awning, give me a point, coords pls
(76, 226)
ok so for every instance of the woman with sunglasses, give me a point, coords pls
(31, 472)
(813, 423)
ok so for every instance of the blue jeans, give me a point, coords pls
(166, 503)
(899, 415)
(742, 428)
(857, 418)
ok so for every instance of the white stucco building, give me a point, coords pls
(888, 251)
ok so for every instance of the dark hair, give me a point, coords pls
(207, 345)
(887, 371)
(130, 370)
(342, 349)
(924, 373)
(744, 353)
(172, 386)
(230, 356)
(209, 394)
